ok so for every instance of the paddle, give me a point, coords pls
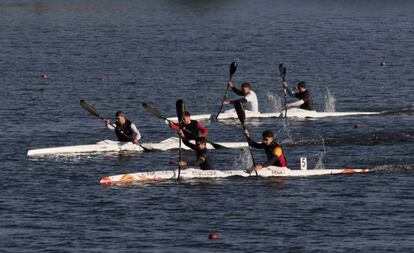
(282, 70)
(233, 68)
(89, 108)
(242, 117)
(151, 109)
(180, 108)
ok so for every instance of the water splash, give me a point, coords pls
(244, 160)
(286, 130)
(319, 164)
(273, 102)
(330, 101)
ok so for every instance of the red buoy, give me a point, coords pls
(44, 75)
(382, 62)
(357, 125)
(213, 236)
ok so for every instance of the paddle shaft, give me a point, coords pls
(233, 68)
(282, 70)
(224, 98)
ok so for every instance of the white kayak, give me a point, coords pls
(192, 173)
(291, 113)
(116, 146)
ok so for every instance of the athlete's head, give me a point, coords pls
(200, 142)
(187, 118)
(301, 86)
(268, 137)
(245, 87)
(120, 117)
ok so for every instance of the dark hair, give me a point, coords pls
(200, 139)
(267, 134)
(186, 113)
(246, 85)
(119, 113)
(302, 84)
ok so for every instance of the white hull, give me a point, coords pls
(300, 113)
(291, 113)
(192, 173)
(116, 146)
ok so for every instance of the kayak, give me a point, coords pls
(291, 113)
(300, 113)
(193, 173)
(116, 146)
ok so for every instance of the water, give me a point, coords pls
(119, 54)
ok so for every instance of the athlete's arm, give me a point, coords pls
(173, 125)
(254, 144)
(290, 93)
(277, 155)
(237, 91)
(297, 103)
(202, 129)
(137, 134)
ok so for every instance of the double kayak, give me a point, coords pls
(194, 173)
(291, 113)
(116, 146)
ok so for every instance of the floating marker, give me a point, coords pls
(213, 236)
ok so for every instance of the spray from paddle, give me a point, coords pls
(330, 101)
(243, 161)
(273, 102)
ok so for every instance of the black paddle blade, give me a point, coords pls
(233, 68)
(151, 109)
(89, 108)
(180, 106)
(240, 111)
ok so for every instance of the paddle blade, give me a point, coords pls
(240, 111)
(233, 68)
(89, 108)
(151, 109)
(180, 106)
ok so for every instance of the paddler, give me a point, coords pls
(274, 152)
(191, 129)
(304, 96)
(203, 159)
(125, 130)
(249, 98)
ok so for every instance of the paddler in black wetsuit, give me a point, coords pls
(203, 159)
(305, 99)
(125, 130)
(274, 152)
(191, 129)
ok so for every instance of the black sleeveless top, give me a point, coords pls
(124, 132)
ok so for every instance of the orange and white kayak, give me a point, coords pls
(193, 173)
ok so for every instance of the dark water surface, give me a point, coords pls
(118, 54)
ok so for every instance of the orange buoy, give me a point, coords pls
(213, 236)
